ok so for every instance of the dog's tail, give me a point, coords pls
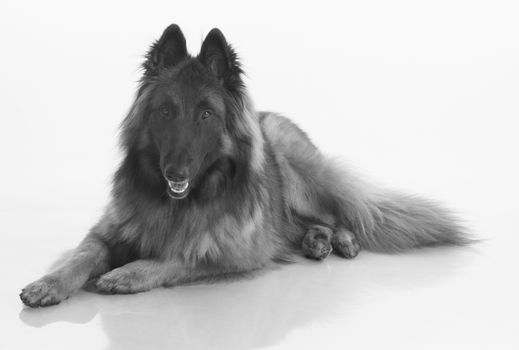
(390, 222)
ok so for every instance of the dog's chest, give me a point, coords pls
(195, 237)
(226, 241)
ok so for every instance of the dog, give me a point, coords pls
(210, 188)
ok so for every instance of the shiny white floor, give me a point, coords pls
(435, 298)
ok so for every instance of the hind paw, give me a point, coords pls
(317, 242)
(345, 244)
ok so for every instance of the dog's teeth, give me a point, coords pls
(178, 187)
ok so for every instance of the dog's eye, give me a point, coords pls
(206, 114)
(164, 111)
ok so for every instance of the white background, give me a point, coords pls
(421, 96)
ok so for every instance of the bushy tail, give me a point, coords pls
(399, 222)
(391, 222)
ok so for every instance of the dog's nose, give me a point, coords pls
(176, 175)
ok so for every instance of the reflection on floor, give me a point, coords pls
(255, 313)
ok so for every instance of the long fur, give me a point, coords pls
(382, 220)
(262, 192)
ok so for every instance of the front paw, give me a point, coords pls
(44, 292)
(122, 281)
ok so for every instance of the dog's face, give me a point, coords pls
(186, 109)
(186, 123)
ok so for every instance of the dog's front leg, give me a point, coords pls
(143, 275)
(90, 258)
(134, 277)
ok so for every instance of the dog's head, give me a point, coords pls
(188, 107)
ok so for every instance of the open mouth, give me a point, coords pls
(178, 190)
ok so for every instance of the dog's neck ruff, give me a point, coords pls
(251, 127)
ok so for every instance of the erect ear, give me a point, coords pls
(220, 58)
(168, 51)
